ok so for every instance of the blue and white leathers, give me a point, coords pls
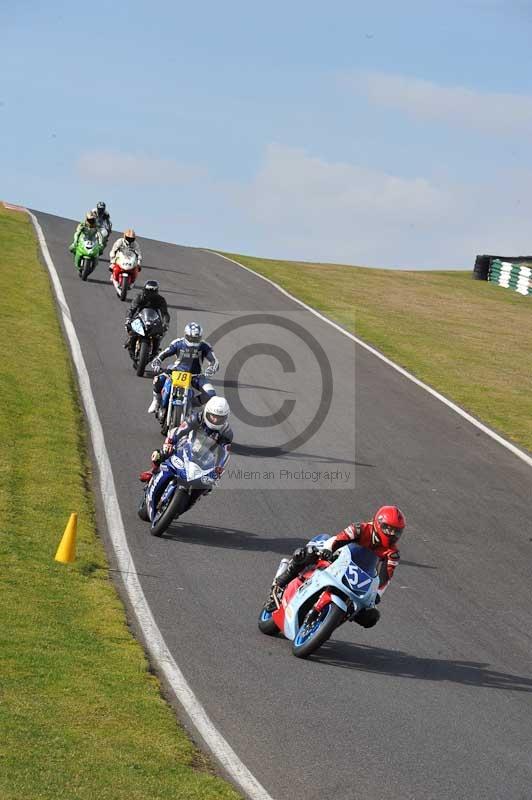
(352, 577)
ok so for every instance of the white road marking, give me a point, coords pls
(484, 428)
(155, 643)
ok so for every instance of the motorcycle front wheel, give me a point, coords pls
(124, 287)
(142, 510)
(144, 356)
(266, 623)
(87, 268)
(314, 632)
(178, 504)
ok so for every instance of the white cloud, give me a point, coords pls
(305, 207)
(316, 186)
(108, 167)
(489, 112)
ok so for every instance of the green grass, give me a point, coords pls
(81, 716)
(470, 340)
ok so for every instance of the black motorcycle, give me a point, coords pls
(147, 331)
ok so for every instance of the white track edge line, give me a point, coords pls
(484, 428)
(154, 640)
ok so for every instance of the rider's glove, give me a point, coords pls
(157, 365)
(325, 554)
(127, 325)
(167, 448)
(210, 371)
(156, 456)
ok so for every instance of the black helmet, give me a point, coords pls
(151, 287)
(100, 207)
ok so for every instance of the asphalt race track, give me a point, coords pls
(433, 703)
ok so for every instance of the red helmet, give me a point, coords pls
(388, 525)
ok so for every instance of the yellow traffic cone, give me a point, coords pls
(66, 552)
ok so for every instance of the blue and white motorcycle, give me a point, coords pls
(181, 480)
(322, 597)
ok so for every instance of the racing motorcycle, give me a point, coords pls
(180, 481)
(149, 330)
(88, 250)
(322, 597)
(176, 399)
(124, 272)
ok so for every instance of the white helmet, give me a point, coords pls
(216, 413)
(193, 333)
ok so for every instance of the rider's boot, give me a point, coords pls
(155, 404)
(276, 592)
(288, 571)
(368, 617)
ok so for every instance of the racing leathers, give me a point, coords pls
(193, 422)
(189, 358)
(362, 534)
(145, 300)
(121, 246)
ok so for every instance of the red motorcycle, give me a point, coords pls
(124, 272)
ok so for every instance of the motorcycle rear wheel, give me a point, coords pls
(178, 505)
(312, 635)
(144, 356)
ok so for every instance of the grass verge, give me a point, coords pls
(469, 340)
(80, 714)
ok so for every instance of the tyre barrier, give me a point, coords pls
(511, 275)
(512, 272)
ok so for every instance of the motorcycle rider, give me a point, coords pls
(191, 352)
(126, 243)
(381, 535)
(149, 297)
(102, 216)
(213, 420)
(87, 227)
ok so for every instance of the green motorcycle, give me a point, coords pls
(88, 250)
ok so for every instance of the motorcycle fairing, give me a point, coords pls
(361, 590)
(179, 470)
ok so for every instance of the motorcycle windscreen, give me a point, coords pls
(364, 558)
(204, 451)
(149, 315)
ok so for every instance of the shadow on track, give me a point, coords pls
(233, 539)
(194, 308)
(398, 664)
(231, 384)
(99, 280)
(229, 538)
(163, 269)
(262, 451)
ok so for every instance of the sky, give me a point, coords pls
(380, 134)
